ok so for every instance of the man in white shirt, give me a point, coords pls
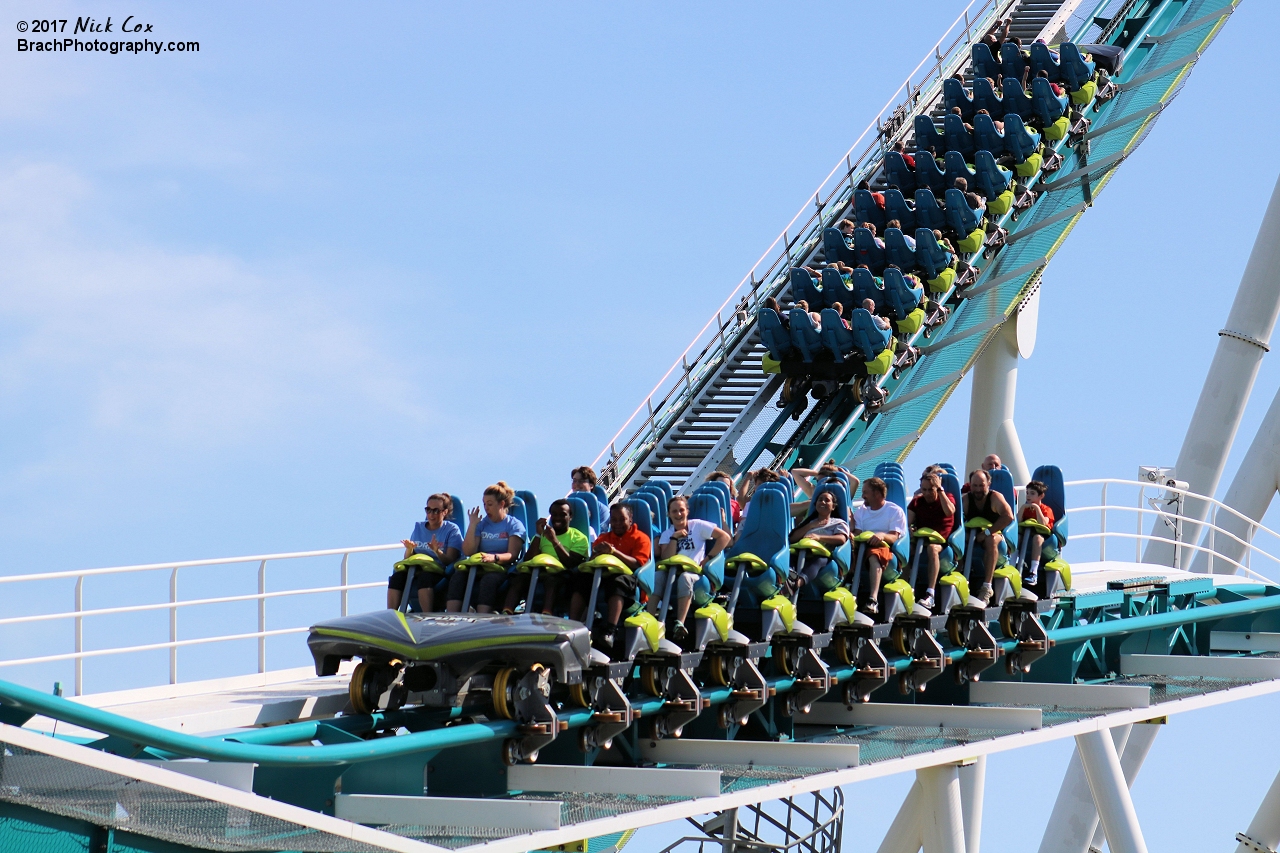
(889, 523)
(687, 537)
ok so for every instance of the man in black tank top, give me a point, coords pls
(983, 502)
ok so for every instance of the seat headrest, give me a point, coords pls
(580, 514)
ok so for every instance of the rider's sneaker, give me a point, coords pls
(984, 594)
(926, 602)
(679, 632)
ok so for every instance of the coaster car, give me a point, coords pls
(505, 667)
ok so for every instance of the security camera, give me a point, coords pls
(1154, 474)
(1171, 483)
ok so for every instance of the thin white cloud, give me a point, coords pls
(195, 349)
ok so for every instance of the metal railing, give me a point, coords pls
(768, 276)
(1148, 502)
(78, 614)
(815, 825)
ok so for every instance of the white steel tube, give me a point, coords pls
(79, 637)
(262, 616)
(1075, 817)
(342, 575)
(943, 810)
(173, 626)
(991, 405)
(1110, 793)
(906, 833)
(1102, 540)
(1250, 492)
(1137, 745)
(1241, 345)
(973, 781)
(1264, 829)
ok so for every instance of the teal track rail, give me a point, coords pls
(268, 746)
(1157, 64)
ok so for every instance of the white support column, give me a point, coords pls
(1241, 345)
(943, 811)
(1264, 829)
(995, 391)
(906, 833)
(973, 782)
(1075, 817)
(1110, 793)
(1250, 493)
(1132, 755)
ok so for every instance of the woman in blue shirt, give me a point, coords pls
(498, 538)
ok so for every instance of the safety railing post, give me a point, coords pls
(344, 583)
(173, 626)
(262, 616)
(1212, 549)
(1102, 540)
(1137, 542)
(79, 636)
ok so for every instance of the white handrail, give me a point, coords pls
(174, 604)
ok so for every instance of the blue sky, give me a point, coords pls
(268, 296)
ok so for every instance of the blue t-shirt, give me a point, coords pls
(493, 535)
(448, 536)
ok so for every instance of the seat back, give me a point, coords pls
(706, 506)
(518, 510)
(895, 490)
(927, 136)
(775, 338)
(954, 95)
(834, 248)
(902, 297)
(723, 515)
(642, 517)
(1019, 141)
(660, 520)
(1042, 60)
(654, 502)
(896, 250)
(958, 137)
(991, 180)
(1002, 482)
(928, 212)
(896, 207)
(804, 287)
(1012, 62)
(985, 135)
(1055, 495)
(984, 63)
(929, 175)
(1075, 72)
(840, 491)
(869, 252)
(948, 467)
(957, 167)
(931, 259)
(898, 173)
(951, 485)
(579, 515)
(804, 337)
(985, 97)
(865, 287)
(834, 289)
(530, 510)
(835, 337)
(865, 209)
(666, 488)
(890, 468)
(1045, 105)
(459, 514)
(593, 513)
(764, 529)
(962, 218)
(869, 340)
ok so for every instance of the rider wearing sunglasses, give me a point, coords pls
(438, 538)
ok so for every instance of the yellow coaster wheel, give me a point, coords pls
(503, 698)
(900, 639)
(846, 648)
(369, 680)
(786, 657)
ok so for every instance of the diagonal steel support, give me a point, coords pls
(1105, 776)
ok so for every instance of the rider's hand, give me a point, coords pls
(473, 515)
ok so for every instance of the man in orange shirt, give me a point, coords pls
(630, 545)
